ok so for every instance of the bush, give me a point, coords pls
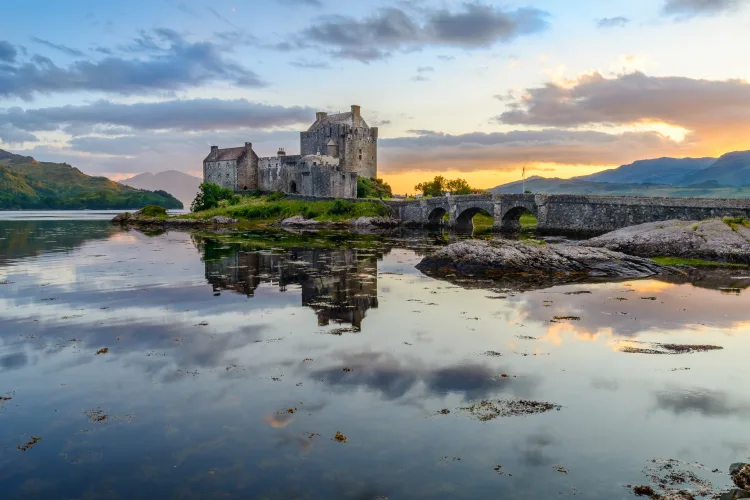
(152, 211)
(373, 188)
(276, 196)
(210, 195)
(341, 207)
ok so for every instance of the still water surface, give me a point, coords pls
(232, 362)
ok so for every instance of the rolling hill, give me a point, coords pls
(182, 186)
(26, 183)
(725, 177)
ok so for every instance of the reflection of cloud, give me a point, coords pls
(606, 384)
(278, 421)
(532, 450)
(706, 402)
(394, 378)
(13, 361)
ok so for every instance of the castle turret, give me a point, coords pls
(332, 149)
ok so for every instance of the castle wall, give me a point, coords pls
(312, 175)
(247, 171)
(223, 173)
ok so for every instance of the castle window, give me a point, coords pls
(360, 154)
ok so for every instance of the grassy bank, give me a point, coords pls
(482, 221)
(676, 261)
(273, 207)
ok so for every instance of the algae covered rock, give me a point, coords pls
(498, 257)
(724, 240)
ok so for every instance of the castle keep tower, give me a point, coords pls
(356, 142)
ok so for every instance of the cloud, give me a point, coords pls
(176, 115)
(708, 108)
(425, 69)
(391, 29)
(13, 135)
(310, 3)
(685, 9)
(420, 78)
(613, 22)
(446, 58)
(61, 48)
(173, 64)
(431, 150)
(8, 52)
(310, 64)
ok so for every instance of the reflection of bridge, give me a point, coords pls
(339, 285)
(564, 213)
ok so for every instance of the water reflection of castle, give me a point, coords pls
(340, 285)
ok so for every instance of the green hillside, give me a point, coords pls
(26, 183)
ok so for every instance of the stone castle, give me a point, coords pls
(334, 151)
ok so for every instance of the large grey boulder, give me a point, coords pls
(498, 257)
(371, 222)
(299, 221)
(221, 220)
(712, 239)
(740, 475)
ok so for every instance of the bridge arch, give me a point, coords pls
(436, 216)
(510, 217)
(464, 220)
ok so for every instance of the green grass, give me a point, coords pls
(733, 222)
(676, 261)
(482, 221)
(270, 208)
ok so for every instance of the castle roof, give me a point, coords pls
(339, 118)
(226, 154)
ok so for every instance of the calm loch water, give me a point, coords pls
(171, 365)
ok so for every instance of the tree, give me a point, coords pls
(373, 188)
(436, 187)
(209, 196)
(440, 185)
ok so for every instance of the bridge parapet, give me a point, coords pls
(566, 213)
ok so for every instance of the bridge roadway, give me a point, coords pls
(563, 213)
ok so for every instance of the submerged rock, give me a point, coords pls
(735, 494)
(712, 239)
(500, 258)
(740, 475)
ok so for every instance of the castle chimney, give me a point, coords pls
(281, 152)
(248, 145)
(355, 114)
(214, 148)
(320, 115)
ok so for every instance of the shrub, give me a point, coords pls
(152, 211)
(210, 195)
(341, 207)
(373, 188)
(276, 196)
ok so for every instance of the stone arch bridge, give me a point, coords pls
(563, 213)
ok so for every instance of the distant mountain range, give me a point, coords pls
(725, 177)
(26, 183)
(182, 186)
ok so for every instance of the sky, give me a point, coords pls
(471, 89)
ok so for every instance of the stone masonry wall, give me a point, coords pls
(357, 146)
(247, 171)
(223, 173)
